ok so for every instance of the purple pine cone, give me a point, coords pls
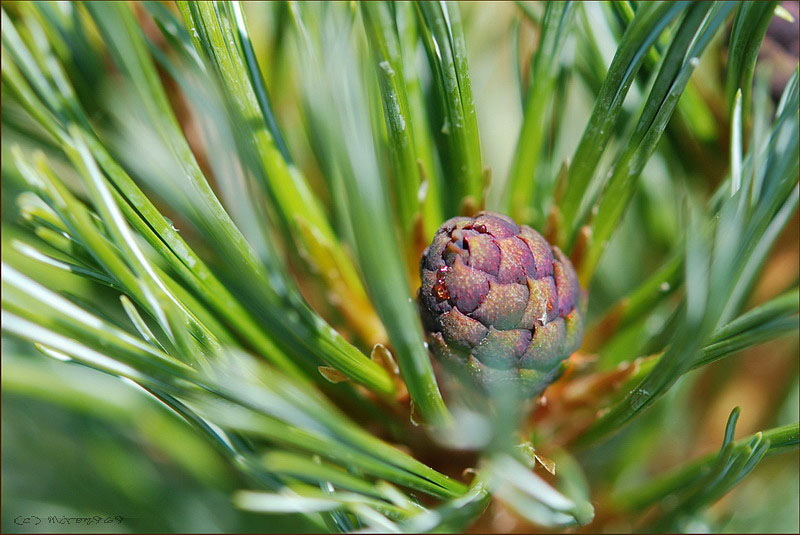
(499, 301)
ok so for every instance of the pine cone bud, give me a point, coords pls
(499, 302)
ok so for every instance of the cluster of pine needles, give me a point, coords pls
(219, 208)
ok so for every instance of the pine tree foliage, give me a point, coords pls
(229, 219)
